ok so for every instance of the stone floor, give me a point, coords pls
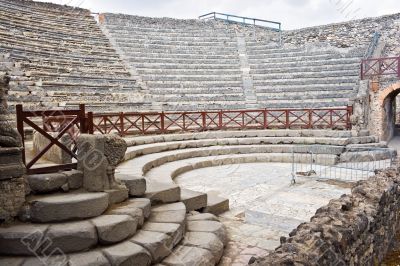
(264, 204)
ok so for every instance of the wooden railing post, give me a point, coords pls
(310, 122)
(265, 118)
(162, 122)
(121, 120)
(82, 119)
(348, 115)
(90, 125)
(287, 119)
(220, 120)
(204, 122)
(184, 121)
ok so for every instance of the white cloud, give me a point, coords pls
(292, 13)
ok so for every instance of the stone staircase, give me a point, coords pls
(64, 59)
(65, 225)
(303, 77)
(198, 65)
(186, 64)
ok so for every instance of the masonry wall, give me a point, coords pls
(356, 229)
(350, 34)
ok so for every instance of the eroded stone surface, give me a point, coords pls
(44, 183)
(159, 244)
(71, 237)
(175, 231)
(114, 228)
(183, 255)
(205, 240)
(63, 207)
(127, 253)
(90, 258)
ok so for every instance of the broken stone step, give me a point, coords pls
(201, 217)
(65, 237)
(169, 213)
(127, 253)
(216, 204)
(175, 231)
(117, 195)
(184, 255)
(95, 257)
(193, 200)
(162, 192)
(142, 203)
(46, 183)
(158, 244)
(65, 207)
(136, 185)
(131, 209)
(205, 240)
(217, 228)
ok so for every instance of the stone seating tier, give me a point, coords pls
(159, 159)
(200, 55)
(66, 56)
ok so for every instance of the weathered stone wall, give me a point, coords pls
(12, 189)
(12, 197)
(350, 34)
(356, 229)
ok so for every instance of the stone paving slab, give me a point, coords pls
(264, 204)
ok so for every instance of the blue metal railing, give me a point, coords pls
(273, 25)
(372, 46)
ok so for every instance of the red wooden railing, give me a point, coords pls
(59, 122)
(164, 122)
(380, 66)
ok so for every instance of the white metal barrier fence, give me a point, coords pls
(338, 162)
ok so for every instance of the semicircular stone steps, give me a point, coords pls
(188, 151)
(115, 238)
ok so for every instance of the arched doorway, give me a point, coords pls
(390, 124)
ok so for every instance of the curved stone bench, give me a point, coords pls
(139, 140)
(144, 149)
(141, 165)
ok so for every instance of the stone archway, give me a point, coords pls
(385, 111)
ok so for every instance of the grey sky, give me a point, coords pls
(292, 13)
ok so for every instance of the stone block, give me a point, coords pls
(114, 228)
(71, 237)
(158, 244)
(127, 253)
(90, 258)
(75, 179)
(64, 207)
(136, 185)
(205, 240)
(45, 183)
